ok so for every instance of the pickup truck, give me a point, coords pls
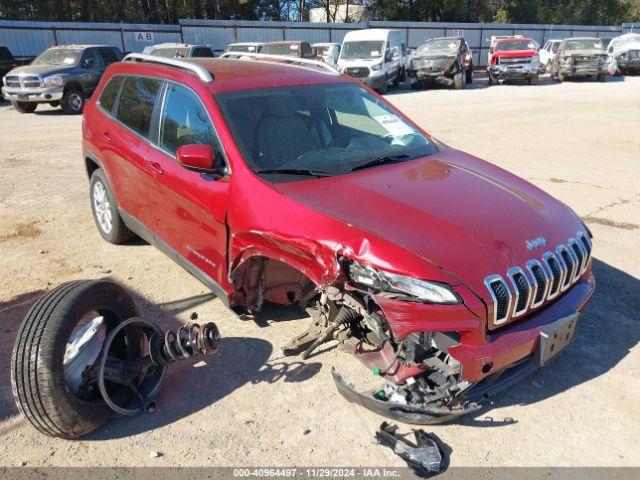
(514, 58)
(63, 76)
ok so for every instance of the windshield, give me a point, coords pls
(514, 45)
(362, 50)
(170, 52)
(287, 49)
(444, 45)
(584, 44)
(58, 56)
(241, 48)
(318, 130)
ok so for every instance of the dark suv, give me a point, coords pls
(65, 75)
(448, 276)
(7, 61)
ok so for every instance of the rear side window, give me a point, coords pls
(137, 99)
(185, 121)
(202, 52)
(108, 55)
(109, 93)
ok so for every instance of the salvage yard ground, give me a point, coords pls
(248, 406)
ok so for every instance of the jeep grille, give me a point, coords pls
(539, 282)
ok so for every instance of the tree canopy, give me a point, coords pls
(590, 12)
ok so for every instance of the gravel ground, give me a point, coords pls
(247, 406)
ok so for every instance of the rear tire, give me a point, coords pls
(24, 107)
(469, 74)
(458, 81)
(38, 379)
(72, 102)
(105, 210)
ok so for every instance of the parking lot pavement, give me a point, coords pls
(247, 406)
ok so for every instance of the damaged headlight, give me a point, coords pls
(431, 292)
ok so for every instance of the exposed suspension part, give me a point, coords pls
(120, 363)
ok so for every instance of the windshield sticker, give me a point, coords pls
(69, 60)
(393, 125)
(293, 47)
(251, 49)
(596, 45)
(375, 53)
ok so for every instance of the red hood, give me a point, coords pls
(515, 53)
(461, 213)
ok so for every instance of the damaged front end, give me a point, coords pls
(434, 70)
(422, 382)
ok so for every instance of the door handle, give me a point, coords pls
(106, 136)
(154, 167)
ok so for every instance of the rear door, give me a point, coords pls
(124, 144)
(188, 208)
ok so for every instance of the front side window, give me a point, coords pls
(184, 121)
(92, 56)
(203, 52)
(110, 92)
(170, 52)
(137, 99)
(324, 129)
(108, 55)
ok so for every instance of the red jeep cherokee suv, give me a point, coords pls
(448, 276)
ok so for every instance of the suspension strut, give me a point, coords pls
(142, 375)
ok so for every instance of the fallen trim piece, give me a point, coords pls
(398, 411)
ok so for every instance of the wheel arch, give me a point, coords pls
(73, 84)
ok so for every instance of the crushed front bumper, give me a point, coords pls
(376, 82)
(431, 76)
(581, 70)
(39, 95)
(504, 72)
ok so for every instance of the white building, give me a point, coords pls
(356, 13)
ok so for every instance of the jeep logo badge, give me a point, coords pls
(536, 242)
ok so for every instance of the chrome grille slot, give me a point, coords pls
(586, 245)
(30, 81)
(566, 258)
(580, 255)
(501, 296)
(522, 289)
(12, 81)
(556, 274)
(540, 285)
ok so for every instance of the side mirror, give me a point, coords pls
(88, 63)
(388, 56)
(199, 158)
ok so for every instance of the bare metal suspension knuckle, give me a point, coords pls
(540, 281)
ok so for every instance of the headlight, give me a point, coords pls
(377, 66)
(52, 82)
(431, 292)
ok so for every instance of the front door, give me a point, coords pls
(188, 208)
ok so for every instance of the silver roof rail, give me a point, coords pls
(202, 73)
(281, 59)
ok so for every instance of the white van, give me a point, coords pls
(376, 57)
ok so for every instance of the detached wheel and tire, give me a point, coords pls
(459, 81)
(105, 210)
(24, 107)
(72, 101)
(57, 349)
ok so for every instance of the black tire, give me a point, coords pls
(534, 80)
(458, 81)
(492, 80)
(403, 75)
(24, 107)
(72, 101)
(383, 89)
(469, 74)
(37, 372)
(601, 77)
(119, 233)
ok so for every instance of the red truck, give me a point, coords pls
(514, 58)
(447, 276)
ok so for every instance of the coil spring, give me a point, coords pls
(185, 342)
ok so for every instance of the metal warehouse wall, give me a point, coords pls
(28, 39)
(31, 38)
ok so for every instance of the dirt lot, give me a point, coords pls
(248, 406)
